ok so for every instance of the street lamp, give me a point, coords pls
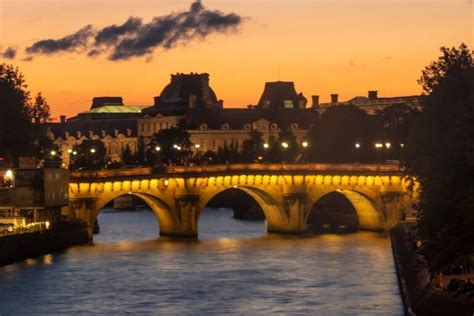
(157, 148)
(74, 152)
(266, 145)
(284, 145)
(305, 144)
(69, 151)
(378, 145)
(92, 150)
(53, 153)
(197, 146)
(388, 145)
(357, 145)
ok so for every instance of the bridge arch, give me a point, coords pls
(367, 216)
(163, 214)
(274, 214)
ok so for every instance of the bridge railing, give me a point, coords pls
(233, 168)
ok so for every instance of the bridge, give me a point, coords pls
(287, 194)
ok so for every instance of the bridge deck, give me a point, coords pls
(234, 169)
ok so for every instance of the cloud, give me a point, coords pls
(9, 53)
(134, 38)
(70, 43)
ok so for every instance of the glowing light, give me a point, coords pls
(166, 183)
(47, 225)
(402, 145)
(260, 157)
(266, 145)
(175, 146)
(69, 151)
(388, 145)
(197, 146)
(157, 148)
(9, 174)
(234, 186)
(357, 145)
(378, 145)
(284, 145)
(53, 153)
(92, 150)
(74, 152)
(178, 148)
(305, 144)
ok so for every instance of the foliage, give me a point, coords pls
(441, 156)
(227, 154)
(339, 128)
(19, 135)
(127, 157)
(252, 148)
(89, 154)
(169, 146)
(15, 122)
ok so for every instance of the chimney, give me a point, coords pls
(62, 119)
(373, 94)
(334, 97)
(103, 133)
(315, 101)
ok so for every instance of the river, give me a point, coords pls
(234, 268)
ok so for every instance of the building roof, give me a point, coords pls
(281, 95)
(115, 109)
(98, 102)
(188, 91)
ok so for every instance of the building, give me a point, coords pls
(370, 104)
(189, 102)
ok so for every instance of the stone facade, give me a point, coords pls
(189, 102)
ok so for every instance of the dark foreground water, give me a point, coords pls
(234, 268)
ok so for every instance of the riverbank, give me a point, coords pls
(419, 297)
(22, 246)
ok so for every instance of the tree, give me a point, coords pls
(252, 148)
(15, 122)
(170, 146)
(396, 122)
(40, 111)
(128, 158)
(440, 154)
(90, 154)
(335, 134)
(227, 154)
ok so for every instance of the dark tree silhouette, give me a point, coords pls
(227, 154)
(170, 146)
(252, 148)
(339, 129)
(90, 154)
(128, 158)
(40, 111)
(15, 122)
(440, 153)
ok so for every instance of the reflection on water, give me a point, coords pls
(234, 267)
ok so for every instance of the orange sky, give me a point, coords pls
(324, 46)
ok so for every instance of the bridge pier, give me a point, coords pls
(184, 218)
(294, 206)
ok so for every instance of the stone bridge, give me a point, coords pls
(286, 193)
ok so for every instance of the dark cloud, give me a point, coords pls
(9, 53)
(74, 42)
(135, 38)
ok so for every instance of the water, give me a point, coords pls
(234, 268)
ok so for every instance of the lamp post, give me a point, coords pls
(357, 150)
(378, 148)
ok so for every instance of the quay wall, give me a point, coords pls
(22, 246)
(420, 298)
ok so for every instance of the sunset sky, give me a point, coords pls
(324, 46)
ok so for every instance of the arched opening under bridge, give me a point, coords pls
(343, 211)
(235, 212)
(132, 216)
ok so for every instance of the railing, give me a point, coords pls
(235, 168)
(24, 229)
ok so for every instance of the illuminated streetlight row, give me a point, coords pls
(379, 145)
(286, 145)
